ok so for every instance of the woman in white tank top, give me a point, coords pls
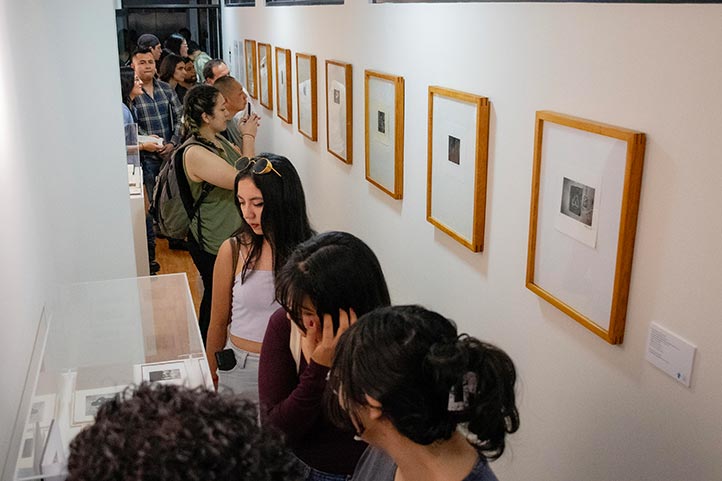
(270, 199)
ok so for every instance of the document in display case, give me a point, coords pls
(96, 341)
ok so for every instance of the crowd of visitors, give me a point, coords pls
(318, 376)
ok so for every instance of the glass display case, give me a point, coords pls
(137, 199)
(94, 340)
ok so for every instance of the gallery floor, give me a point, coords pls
(173, 261)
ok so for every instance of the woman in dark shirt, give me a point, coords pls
(323, 285)
(433, 405)
(173, 71)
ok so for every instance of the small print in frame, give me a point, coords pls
(578, 201)
(381, 122)
(336, 96)
(87, 402)
(165, 372)
(454, 147)
(577, 216)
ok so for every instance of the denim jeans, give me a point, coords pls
(316, 475)
(151, 169)
(243, 378)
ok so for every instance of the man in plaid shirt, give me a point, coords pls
(158, 112)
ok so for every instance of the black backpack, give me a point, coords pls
(172, 204)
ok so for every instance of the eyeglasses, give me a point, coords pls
(257, 165)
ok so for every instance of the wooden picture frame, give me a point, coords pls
(384, 131)
(339, 110)
(265, 75)
(239, 62)
(284, 97)
(307, 95)
(585, 197)
(251, 71)
(458, 149)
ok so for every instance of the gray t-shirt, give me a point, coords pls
(375, 465)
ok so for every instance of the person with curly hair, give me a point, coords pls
(169, 433)
(433, 404)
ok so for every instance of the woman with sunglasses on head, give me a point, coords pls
(209, 164)
(269, 196)
(433, 405)
(326, 282)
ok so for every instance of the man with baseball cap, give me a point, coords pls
(148, 40)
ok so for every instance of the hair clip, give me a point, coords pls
(461, 392)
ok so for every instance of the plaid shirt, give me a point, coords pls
(160, 114)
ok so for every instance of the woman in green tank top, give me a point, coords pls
(211, 160)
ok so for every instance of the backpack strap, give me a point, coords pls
(192, 207)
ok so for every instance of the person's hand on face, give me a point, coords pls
(327, 340)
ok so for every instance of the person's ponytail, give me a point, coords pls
(490, 411)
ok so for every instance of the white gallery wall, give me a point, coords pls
(590, 411)
(64, 208)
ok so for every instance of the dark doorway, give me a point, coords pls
(164, 17)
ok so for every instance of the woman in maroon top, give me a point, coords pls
(324, 285)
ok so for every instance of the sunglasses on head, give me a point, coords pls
(257, 165)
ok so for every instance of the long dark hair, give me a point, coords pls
(168, 65)
(127, 82)
(200, 99)
(284, 220)
(334, 270)
(173, 43)
(427, 378)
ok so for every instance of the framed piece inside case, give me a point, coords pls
(458, 146)
(384, 131)
(585, 196)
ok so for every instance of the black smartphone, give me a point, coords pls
(226, 360)
(248, 114)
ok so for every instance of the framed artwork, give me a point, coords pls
(457, 164)
(283, 85)
(42, 409)
(250, 57)
(86, 402)
(384, 114)
(239, 62)
(584, 201)
(265, 74)
(307, 95)
(173, 372)
(339, 110)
